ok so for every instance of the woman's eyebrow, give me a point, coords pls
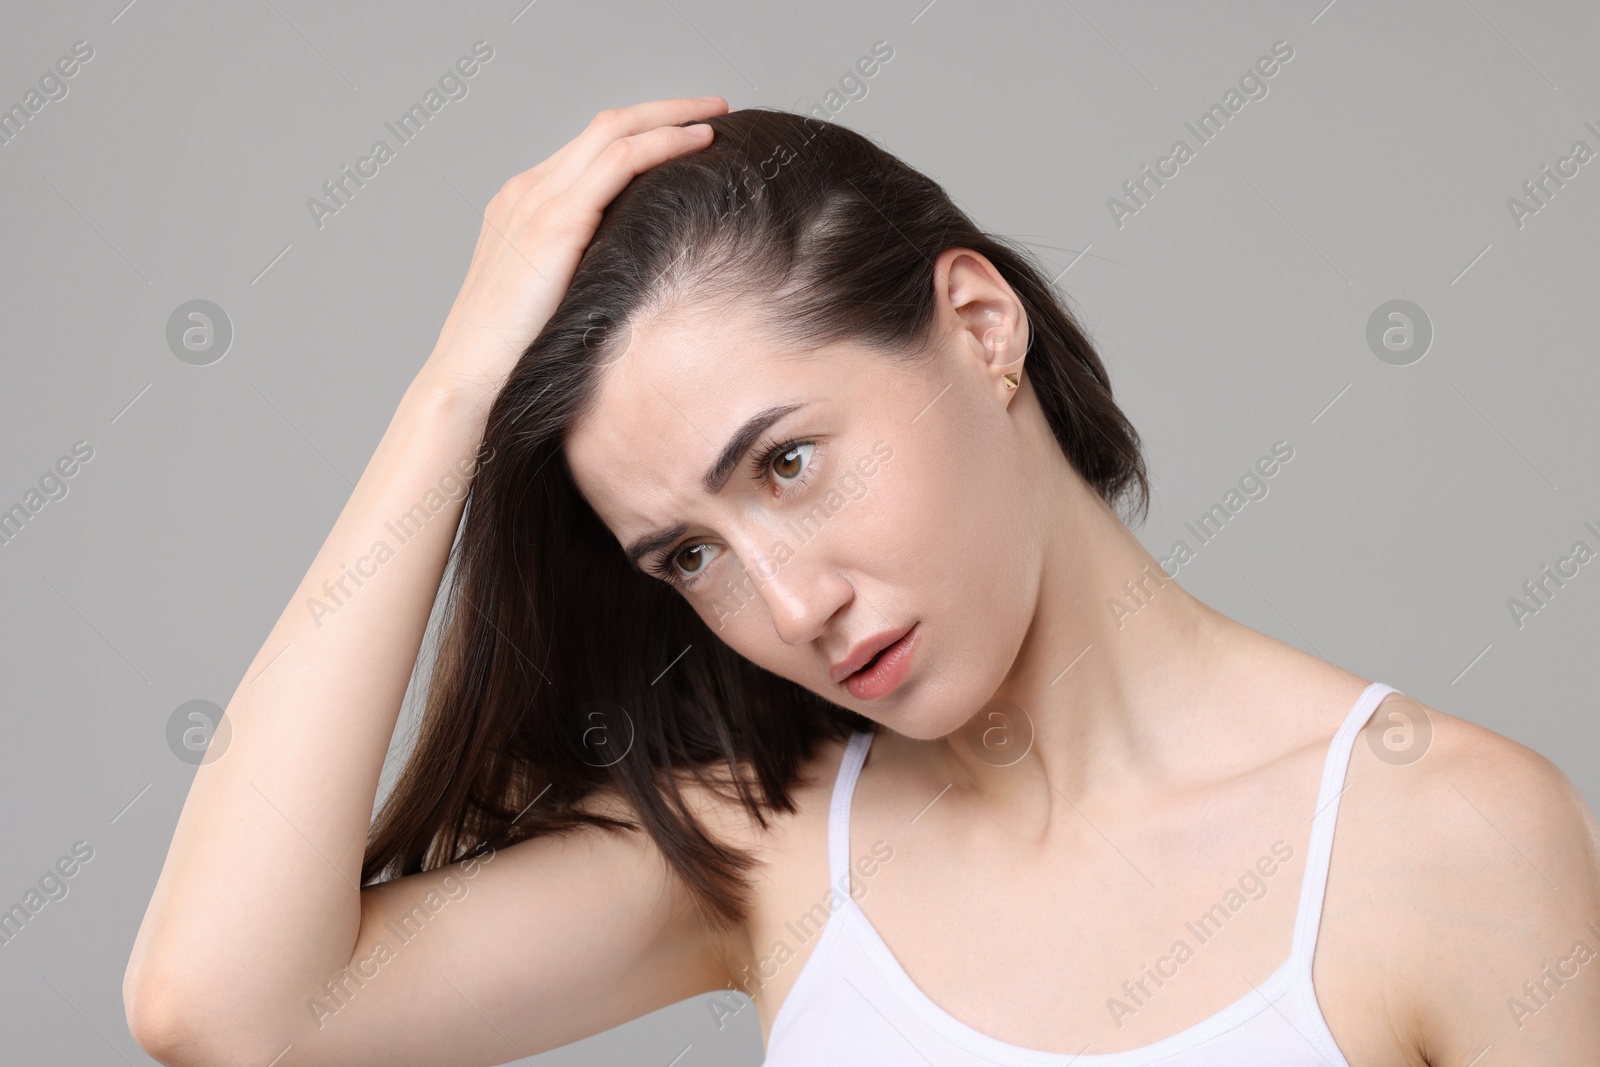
(651, 542)
(715, 478)
(740, 443)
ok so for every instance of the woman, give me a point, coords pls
(795, 645)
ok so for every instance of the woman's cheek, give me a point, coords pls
(909, 508)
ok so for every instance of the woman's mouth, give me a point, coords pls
(885, 672)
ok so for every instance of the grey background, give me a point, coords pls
(1232, 310)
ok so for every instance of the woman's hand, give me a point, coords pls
(535, 230)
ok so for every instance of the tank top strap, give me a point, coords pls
(844, 788)
(1320, 851)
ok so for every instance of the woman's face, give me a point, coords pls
(804, 502)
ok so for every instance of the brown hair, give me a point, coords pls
(531, 708)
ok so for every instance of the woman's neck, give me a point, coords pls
(1118, 679)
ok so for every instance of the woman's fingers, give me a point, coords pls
(537, 227)
(575, 211)
(572, 159)
(560, 228)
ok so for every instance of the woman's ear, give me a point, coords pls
(984, 309)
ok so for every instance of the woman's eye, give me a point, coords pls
(692, 559)
(791, 462)
(788, 465)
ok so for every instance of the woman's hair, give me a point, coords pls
(561, 670)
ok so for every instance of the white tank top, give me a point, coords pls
(852, 1003)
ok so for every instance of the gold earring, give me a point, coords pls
(1010, 379)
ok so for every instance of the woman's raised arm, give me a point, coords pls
(258, 915)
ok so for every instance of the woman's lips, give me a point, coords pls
(888, 671)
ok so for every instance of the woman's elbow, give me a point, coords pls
(172, 1025)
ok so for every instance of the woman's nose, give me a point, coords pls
(802, 590)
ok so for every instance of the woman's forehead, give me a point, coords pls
(671, 381)
(665, 411)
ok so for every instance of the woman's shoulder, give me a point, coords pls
(1460, 775)
(1475, 862)
(787, 850)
